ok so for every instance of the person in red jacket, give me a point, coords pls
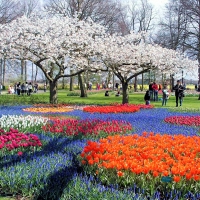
(155, 91)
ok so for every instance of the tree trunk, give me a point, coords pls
(108, 79)
(63, 83)
(124, 92)
(22, 69)
(113, 83)
(1, 67)
(82, 86)
(32, 73)
(142, 82)
(53, 92)
(4, 72)
(71, 84)
(25, 71)
(36, 73)
(135, 84)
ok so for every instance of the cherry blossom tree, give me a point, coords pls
(130, 56)
(55, 45)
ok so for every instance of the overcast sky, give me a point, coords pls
(158, 3)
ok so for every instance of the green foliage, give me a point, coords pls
(73, 94)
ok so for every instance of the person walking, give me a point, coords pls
(165, 96)
(179, 92)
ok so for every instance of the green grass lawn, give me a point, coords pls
(190, 102)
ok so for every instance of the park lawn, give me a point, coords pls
(96, 98)
(190, 102)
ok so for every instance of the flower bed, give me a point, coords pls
(184, 120)
(52, 171)
(13, 141)
(22, 123)
(48, 109)
(58, 117)
(116, 108)
(149, 161)
(95, 128)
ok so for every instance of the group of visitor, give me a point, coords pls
(21, 89)
(152, 93)
(153, 90)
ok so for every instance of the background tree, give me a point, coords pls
(27, 8)
(180, 28)
(140, 16)
(172, 27)
(9, 10)
(107, 13)
(192, 43)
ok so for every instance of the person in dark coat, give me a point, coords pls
(147, 97)
(179, 92)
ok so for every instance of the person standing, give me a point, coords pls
(19, 88)
(155, 91)
(116, 86)
(151, 90)
(15, 88)
(30, 89)
(45, 87)
(179, 93)
(23, 89)
(165, 95)
(26, 88)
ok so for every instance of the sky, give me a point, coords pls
(158, 3)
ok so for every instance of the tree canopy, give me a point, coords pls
(57, 45)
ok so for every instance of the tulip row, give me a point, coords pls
(22, 123)
(95, 128)
(48, 109)
(117, 108)
(146, 161)
(184, 120)
(13, 140)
